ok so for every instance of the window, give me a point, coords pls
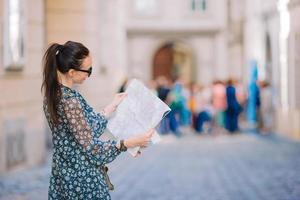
(199, 5)
(13, 35)
(145, 7)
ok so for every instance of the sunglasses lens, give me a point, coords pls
(90, 71)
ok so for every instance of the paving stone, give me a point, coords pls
(192, 167)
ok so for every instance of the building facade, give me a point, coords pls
(199, 40)
(22, 126)
(271, 37)
(293, 50)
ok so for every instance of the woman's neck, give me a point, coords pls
(64, 80)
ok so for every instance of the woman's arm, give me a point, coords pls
(85, 132)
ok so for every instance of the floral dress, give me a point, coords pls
(78, 153)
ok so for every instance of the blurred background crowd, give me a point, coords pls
(218, 108)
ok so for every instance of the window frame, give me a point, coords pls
(14, 49)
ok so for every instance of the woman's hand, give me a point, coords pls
(111, 108)
(118, 98)
(140, 140)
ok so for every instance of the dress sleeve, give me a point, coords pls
(86, 131)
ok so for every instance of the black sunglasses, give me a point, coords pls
(89, 71)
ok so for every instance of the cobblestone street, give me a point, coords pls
(237, 167)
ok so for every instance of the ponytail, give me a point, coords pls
(60, 58)
(50, 84)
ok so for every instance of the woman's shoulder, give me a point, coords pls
(71, 95)
(67, 93)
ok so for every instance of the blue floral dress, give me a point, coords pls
(78, 153)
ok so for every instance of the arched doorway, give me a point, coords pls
(173, 60)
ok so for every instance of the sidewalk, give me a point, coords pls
(238, 167)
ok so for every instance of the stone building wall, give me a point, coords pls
(294, 67)
(204, 33)
(97, 25)
(22, 127)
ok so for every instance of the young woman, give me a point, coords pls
(79, 156)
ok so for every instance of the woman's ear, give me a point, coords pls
(71, 72)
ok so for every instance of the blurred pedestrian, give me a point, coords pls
(204, 110)
(233, 108)
(253, 103)
(192, 102)
(163, 90)
(267, 107)
(179, 104)
(219, 103)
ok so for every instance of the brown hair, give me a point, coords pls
(62, 58)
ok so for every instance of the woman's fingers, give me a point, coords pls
(122, 94)
(145, 145)
(147, 138)
(150, 132)
(119, 97)
(138, 153)
(141, 140)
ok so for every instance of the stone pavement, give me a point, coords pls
(237, 167)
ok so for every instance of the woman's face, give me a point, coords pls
(79, 77)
